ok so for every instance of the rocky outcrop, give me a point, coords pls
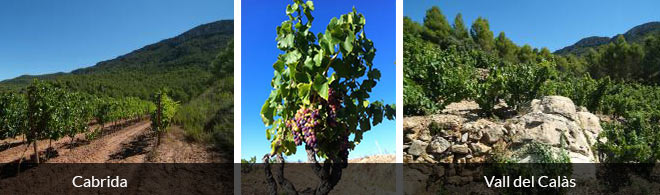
(458, 134)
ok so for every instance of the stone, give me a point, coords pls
(558, 105)
(479, 148)
(447, 159)
(464, 137)
(409, 137)
(438, 145)
(493, 134)
(483, 129)
(407, 158)
(460, 149)
(552, 130)
(424, 135)
(590, 123)
(477, 159)
(414, 124)
(417, 148)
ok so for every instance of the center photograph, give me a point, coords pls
(318, 97)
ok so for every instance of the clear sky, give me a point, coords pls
(259, 52)
(552, 24)
(38, 37)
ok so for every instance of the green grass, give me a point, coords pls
(209, 118)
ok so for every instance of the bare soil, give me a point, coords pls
(135, 143)
(131, 152)
(367, 175)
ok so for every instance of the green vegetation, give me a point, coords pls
(209, 117)
(161, 117)
(321, 86)
(617, 79)
(47, 111)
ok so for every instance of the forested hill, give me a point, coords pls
(182, 64)
(636, 34)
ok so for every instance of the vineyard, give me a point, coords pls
(444, 64)
(46, 111)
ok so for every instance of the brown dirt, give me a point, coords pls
(134, 144)
(367, 175)
(385, 158)
(18, 149)
(99, 150)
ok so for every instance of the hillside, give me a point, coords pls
(182, 64)
(636, 34)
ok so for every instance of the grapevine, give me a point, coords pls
(48, 111)
(321, 86)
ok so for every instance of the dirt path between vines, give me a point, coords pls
(99, 150)
(8, 155)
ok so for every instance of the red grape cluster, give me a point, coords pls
(304, 125)
(307, 121)
(334, 103)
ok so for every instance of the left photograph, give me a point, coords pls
(118, 82)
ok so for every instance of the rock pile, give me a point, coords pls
(459, 135)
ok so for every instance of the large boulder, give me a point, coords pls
(557, 105)
(554, 121)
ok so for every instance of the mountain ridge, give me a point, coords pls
(635, 34)
(181, 63)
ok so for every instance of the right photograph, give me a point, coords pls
(563, 90)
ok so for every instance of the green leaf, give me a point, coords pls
(348, 42)
(310, 5)
(318, 58)
(292, 57)
(309, 63)
(303, 92)
(287, 42)
(321, 86)
(267, 113)
(365, 125)
(374, 74)
(268, 132)
(279, 66)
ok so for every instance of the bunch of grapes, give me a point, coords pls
(334, 103)
(304, 125)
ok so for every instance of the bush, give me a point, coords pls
(434, 77)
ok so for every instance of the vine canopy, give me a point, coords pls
(314, 65)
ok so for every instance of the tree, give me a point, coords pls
(545, 54)
(651, 62)
(223, 64)
(321, 87)
(436, 26)
(506, 49)
(621, 60)
(460, 30)
(411, 27)
(482, 35)
(526, 54)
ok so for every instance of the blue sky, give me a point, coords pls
(259, 52)
(38, 37)
(552, 24)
